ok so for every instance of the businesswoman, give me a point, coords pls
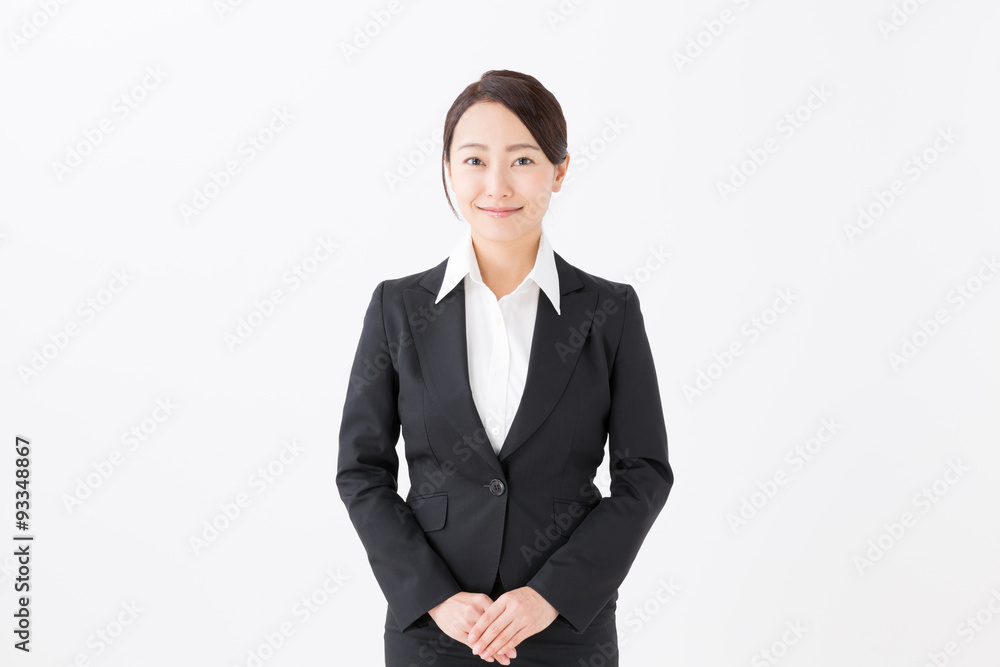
(507, 370)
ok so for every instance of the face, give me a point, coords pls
(502, 180)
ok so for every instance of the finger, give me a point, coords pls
(500, 657)
(479, 602)
(488, 639)
(496, 649)
(487, 617)
(502, 636)
(508, 648)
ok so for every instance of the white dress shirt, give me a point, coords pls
(499, 332)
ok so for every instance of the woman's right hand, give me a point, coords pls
(456, 616)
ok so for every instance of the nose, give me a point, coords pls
(497, 183)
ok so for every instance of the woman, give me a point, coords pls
(507, 369)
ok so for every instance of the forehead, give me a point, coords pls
(491, 124)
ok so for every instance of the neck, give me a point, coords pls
(504, 264)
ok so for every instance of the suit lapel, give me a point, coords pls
(442, 349)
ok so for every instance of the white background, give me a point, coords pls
(858, 297)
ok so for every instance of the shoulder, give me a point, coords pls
(609, 292)
(389, 292)
(391, 287)
(409, 281)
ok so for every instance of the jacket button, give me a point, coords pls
(496, 487)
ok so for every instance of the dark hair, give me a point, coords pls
(526, 98)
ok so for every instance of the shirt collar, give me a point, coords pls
(462, 262)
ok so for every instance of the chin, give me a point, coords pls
(495, 232)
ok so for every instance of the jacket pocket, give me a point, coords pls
(568, 514)
(430, 511)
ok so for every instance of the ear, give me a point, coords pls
(561, 170)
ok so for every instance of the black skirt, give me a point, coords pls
(423, 644)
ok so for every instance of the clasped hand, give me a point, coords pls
(493, 628)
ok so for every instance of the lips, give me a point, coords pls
(500, 212)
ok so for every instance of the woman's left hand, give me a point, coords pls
(512, 617)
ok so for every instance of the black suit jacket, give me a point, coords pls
(531, 513)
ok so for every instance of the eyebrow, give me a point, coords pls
(511, 148)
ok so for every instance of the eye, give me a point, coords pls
(471, 158)
(524, 158)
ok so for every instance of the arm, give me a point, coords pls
(412, 576)
(580, 577)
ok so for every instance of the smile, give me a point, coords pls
(499, 212)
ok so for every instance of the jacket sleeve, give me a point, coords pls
(412, 576)
(581, 576)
